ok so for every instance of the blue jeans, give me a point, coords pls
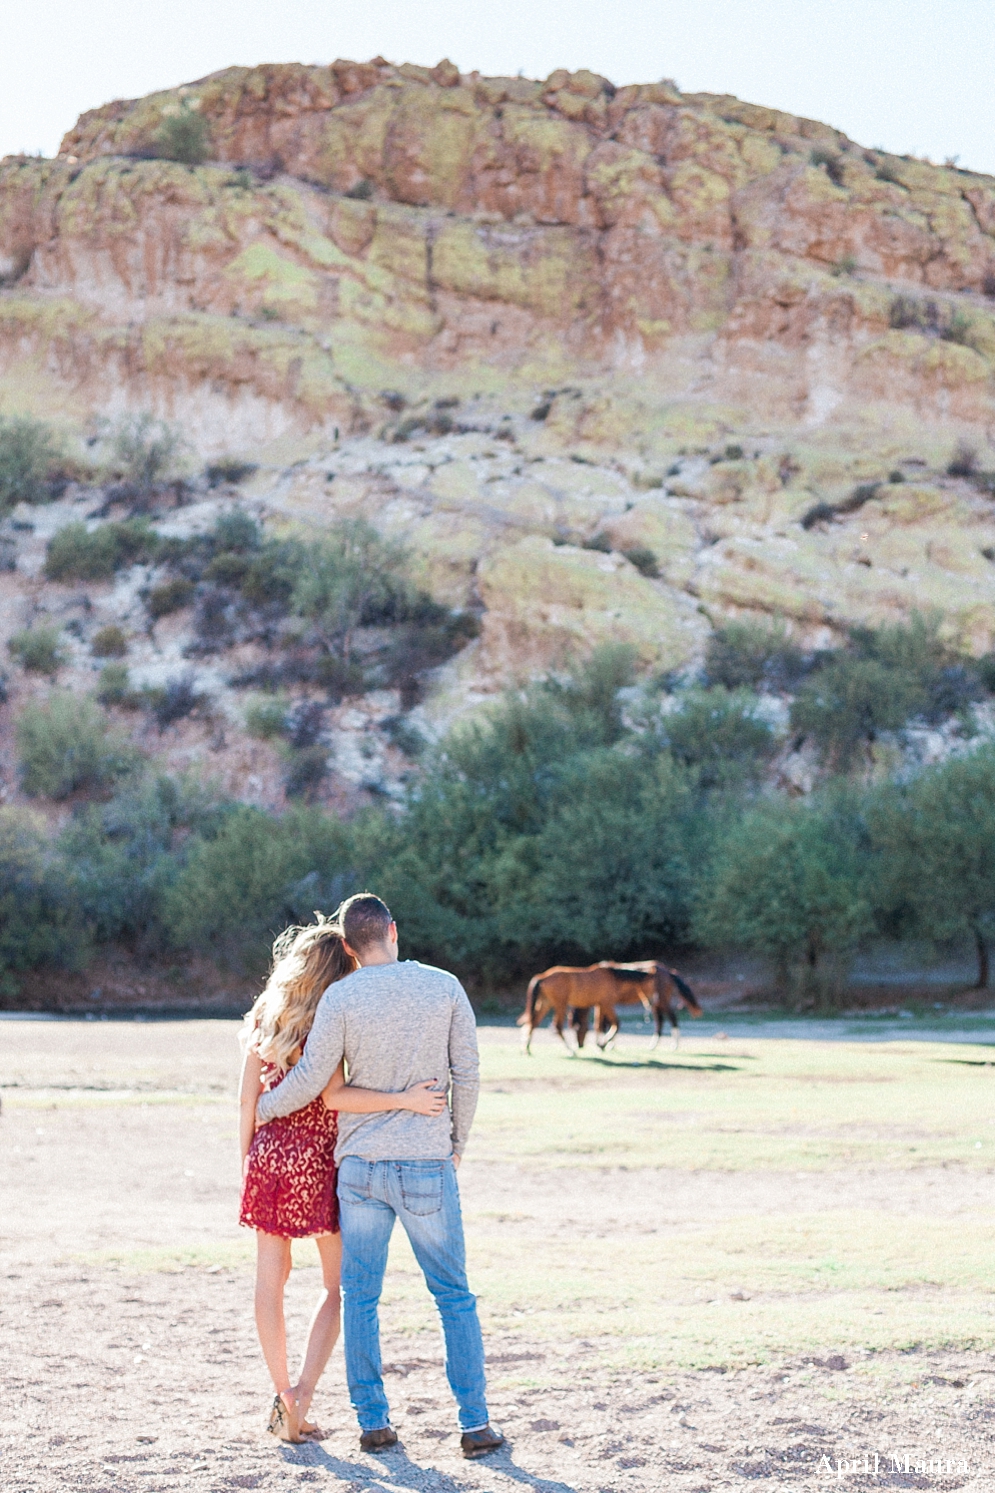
(424, 1196)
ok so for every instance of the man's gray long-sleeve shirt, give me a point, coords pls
(396, 1025)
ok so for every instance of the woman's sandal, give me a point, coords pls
(284, 1423)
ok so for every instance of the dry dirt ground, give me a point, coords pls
(129, 1354)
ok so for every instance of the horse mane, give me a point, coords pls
(684, 988)
(623, 972)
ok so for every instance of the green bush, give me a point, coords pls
(28, 453)
(109, 642)
(645, 561)
(228, 469)
(305, 771)
(719, 734)
(144, 449)
(79, 553)
(349, 576)
(64, 745)
(169, 596)
(38, 649)
(267, 718)
(114, 687)
(752, 654)
(184, 137)
(849, 702)
(119, 858)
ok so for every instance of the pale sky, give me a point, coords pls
(911, 76)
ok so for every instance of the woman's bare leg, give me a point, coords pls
(273, 1263)
(324, 1330)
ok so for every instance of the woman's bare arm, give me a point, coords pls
(421, 1099)
(250, 1088)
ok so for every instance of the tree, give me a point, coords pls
(350, 576)
(935, 839)
(28, 452)
(35, 922)
(788, 881)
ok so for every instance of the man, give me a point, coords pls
(397, 1024)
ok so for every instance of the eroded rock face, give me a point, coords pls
(442, 219)
(656, 278)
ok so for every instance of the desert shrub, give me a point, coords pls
(113, 687)
(305, 723)
(832, 162)
(36, 924)
(752, 655)
(79, 553)
(350, 576)
(64, 745)
(600, 542)
(266, 719)
(271, 577)
(119, 858)
(964, 461)
(644, 560)
(237, 887)
(228, 470)
(789, 881)
(404, 735)
(177, 699)
(144, 449)
(28, 453)
(39, 650)
(109, 642)
(425, 644)
(228, 569)
(719, 734)
(236, 532)
(849, 702)
(169, 596)
(184, 136)
(958, 329)
(940, 680)
(305, 771)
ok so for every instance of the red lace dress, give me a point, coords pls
(288, 1181)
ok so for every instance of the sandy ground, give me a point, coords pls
(124, 1369)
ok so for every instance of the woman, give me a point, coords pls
(288, 1166)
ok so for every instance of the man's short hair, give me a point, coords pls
(365, 921)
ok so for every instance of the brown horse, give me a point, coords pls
(672, 994)
(604, 986)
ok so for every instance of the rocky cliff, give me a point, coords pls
(614, 362)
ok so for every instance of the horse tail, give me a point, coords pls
(527, 1017)
(687, 992)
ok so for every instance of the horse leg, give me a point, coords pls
(675, 1028)
(581, 1016)
(558, 1019)
(658, 1019)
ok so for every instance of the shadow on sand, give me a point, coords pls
(400, 1471)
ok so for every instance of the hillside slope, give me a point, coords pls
(613, 364)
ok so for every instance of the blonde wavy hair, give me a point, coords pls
(305, 962)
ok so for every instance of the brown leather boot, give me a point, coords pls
(379, 1440)
(481, 1443)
